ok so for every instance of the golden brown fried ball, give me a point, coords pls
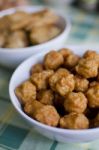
(48, 115)
(40, 79)
(81, 84)
(93, 96)
(43, 33)
(74, 121)
(65, 85)
(32, 107)
(17, 39)
(65, 52)
(89, 54)
(45, 97)
(87, 68)
(26, 92)
(53, 60)
(37, 68)
(75, 102)
(3, 38)
(71, 61)
(60, 73)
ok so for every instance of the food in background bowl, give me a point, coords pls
(23, 29)
(63, 90)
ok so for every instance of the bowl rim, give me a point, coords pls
(64, 18)
(33, 121)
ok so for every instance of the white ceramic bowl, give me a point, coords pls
(13, 57)
(62, 135)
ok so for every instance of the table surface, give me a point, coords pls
(15, 133)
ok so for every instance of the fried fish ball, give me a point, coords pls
(65, 85)
(19, 20)
(26, 92)
(17, 39)
(93, 96)
(48, 115)
(89, 54)
(71, 60)
(60, 73)
(95, 121)
(43, 17)
(36, 68)
(53, 60)
(75, 102)
(65, 52)
(74, 121)
(43, 33)
(32, 107)
(40, 79)
(5, 23)
(45, 97)
(87, 68)
(81, 84)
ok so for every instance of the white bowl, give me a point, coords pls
(62, 135)
(13, 57)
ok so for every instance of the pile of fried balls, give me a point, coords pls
(63, 90)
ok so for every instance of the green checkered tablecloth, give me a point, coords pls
(15, 133)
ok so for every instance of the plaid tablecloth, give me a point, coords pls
(15, 133)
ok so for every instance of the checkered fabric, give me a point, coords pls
(15, 133)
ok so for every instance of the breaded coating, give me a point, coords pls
(36, 68)
(3, 38)
(48, 115)
(43, 33)
(60, 73)
(90, 54)
(71, 61)
(17, 39)
(19, 20)
(53, 60)
(43, 17)
(93, 96)
(40, 79)
(75, 102)
(65, 85)
(32, 107)
(65, 52)
(5, 23)
(81, 84)
(74, 121)
(45, 97)
(87, 68)
(26, 92)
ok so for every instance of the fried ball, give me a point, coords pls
(26, 92)
(65, 52)
(17, 39)
(93, 96)
(87, 68)
(4, 23)
(74, 121)
(45, 97)
(32, 107)
(95, 121)
(3, 38)
(19, 20)
(53, 60)
(71, 61)
(89, 54)
(60, 73)
(40, 79)
(65, 85)
(81, 84)
(43, 33)
(36, 68)
(94, 83)
(48, 115)
(75, 102)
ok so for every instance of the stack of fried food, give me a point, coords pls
(22, 29)
(63, 90)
